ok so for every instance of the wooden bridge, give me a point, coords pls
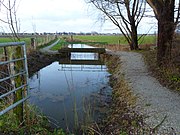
(81, 62)
(83, 50)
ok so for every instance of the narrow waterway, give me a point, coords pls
(72, 92)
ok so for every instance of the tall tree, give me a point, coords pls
(165, 14)
(125, 14)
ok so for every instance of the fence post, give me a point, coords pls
(71, 38)
(9, 55)
(33, 43)
(19, 82)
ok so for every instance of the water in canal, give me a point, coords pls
(73, 92)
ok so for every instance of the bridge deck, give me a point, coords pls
(88, 50)
(82, 62)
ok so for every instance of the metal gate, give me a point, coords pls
(7, 90)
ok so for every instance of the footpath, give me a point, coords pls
(159, 104)
(47, 49)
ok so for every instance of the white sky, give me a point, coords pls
(64, 15)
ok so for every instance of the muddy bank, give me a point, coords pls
(37, 60)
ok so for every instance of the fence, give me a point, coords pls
(41, 40)
(13, 76)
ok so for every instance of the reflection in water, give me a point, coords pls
(84, 56)
(72, 94)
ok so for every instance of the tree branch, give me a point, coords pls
(178, 14)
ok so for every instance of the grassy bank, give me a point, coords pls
(122, 119)
(61, 43)
(47, 44)
(35, 123)
(168, 76)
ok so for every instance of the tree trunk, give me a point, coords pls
(134, 37)
(165, 33)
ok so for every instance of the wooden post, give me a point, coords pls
(11, 67)
(33, 43)
(18, 82)
(71, 38)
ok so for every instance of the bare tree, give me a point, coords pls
(125, 14)
(10, 7)
(167, 12)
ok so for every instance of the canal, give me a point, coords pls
(72, 92)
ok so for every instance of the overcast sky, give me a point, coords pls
(64, 15)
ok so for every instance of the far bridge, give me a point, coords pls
(67, 51)
(81, 62)
(83, 50)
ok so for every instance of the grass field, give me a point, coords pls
(101, 40)
(5, 40)
(115, 40)
(97, 39)
(40, 40)
(63, 42)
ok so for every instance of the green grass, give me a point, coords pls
(147, 40)
(4, 40)
(26, 39)
(59, 45)
(103, 38)
(100, 40)
(39, 39)
(63, 43)
(114, 39)
(47, 44)
(1, 50)
(38, 123)
(88, 39)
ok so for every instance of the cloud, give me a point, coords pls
(61, 15)
(51, 15)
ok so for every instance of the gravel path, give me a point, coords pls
(154, 100)
(47, 49)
